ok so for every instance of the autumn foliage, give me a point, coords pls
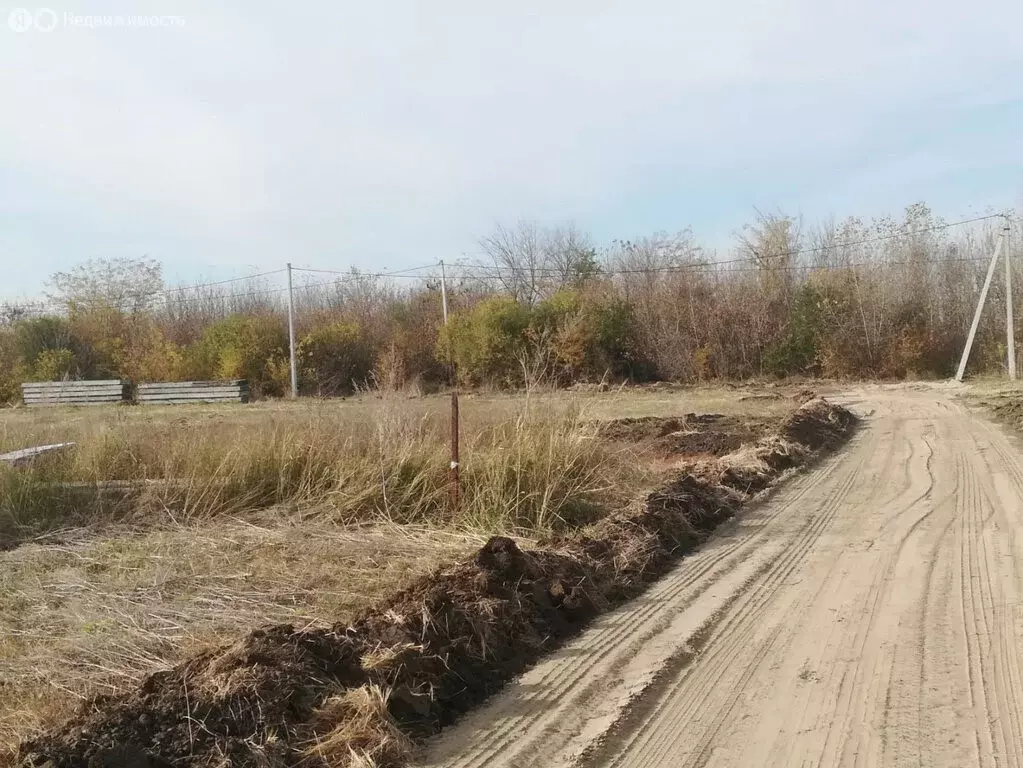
(887, 298)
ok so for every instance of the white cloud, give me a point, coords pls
(378, 129)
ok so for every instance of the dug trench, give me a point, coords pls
(360, 694)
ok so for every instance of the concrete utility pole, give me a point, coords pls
(980, 306)
(444, 291)
(291, 336)
(453, 471)
(1010, 330)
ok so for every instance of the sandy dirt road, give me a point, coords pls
(867, 615)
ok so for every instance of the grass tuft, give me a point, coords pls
(356, 730)
(531, 468)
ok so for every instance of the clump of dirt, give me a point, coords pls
(624, 552)
(804, 395)
(466, 630)
(1009, 410)
(431, 652)
(818, 424)
(237, 702)
(709, 434)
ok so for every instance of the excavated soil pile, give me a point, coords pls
(707, 434)
(1009, 410)
(285, 697)
(818, 424)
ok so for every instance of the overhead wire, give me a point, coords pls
(487, 272)
(782, 254)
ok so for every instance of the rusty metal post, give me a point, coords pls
(456, 483)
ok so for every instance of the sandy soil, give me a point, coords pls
(867, 615)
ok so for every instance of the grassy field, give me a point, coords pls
(171, 529)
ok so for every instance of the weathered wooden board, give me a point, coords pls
(28, 455)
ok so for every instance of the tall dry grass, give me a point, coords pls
(91, 614)
(527, 466)
(202, 521)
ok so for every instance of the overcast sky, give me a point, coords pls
(238, 136)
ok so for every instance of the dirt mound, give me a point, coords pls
(1009, 410)
(709, 434)
(468, 629)
(818, 424)
(228, 702)
(284, 697)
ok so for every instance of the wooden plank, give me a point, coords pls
(28, 455)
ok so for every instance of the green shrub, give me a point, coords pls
(243, 347)
(485, 343)
(335, 358)
(796, 352)
(53, 365)
(12, 371)
(593, 336)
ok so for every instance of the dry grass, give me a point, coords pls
(236, 517)
(751, 458)
(528, 466)
(94, 616)
(529, 463)
(357, 731)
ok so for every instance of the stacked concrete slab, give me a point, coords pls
(36, 393)
(173, 392)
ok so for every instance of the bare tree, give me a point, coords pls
(570, 256)
(128, 285)
(518, 256)
(532, 262)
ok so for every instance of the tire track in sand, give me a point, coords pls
(866, 615)
(594, 677)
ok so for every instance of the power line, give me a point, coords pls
(355, 273)
(44, 307)
(502, 275)
(178, 301)
(221, 282)
(486, 273)
(709, 267)
(783, 254)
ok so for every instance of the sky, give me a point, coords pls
(225, 138)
